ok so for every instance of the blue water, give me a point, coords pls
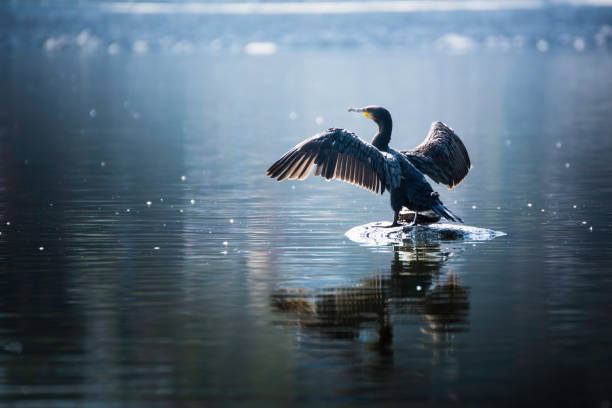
(116, 289)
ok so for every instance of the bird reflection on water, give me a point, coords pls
(367, 309)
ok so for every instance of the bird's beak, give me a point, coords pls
(364, 110)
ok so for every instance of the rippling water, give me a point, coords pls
(146, 260)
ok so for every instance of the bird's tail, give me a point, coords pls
(442, 211)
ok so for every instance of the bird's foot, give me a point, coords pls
(413, 223)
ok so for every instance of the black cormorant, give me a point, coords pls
(338, 153)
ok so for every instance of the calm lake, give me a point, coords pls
(147, 260)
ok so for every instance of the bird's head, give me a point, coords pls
(382, 117)
(378, 114)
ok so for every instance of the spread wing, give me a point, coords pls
(340, 154)
(442, 156)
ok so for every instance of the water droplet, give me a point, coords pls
(591, 228)
(224, 252)
(584, 222)
(418, 288)
(92, 113)
(26, 162)
(542, 210)
(161, 200)
(508, 142)
(50, 204)
(319, 120)
(574, 206)
(558, 145)
(473, 207)
(498, 207)
(231, 220)
(116, 212)
(183, 178)
(293, 115)
(529, 205)
(156, 248)
(567, 165)
(8, 223)
(455, 202)
(293, 187)
(192, 201)
(42, 248)
(181, 211)
(128, 210)
(102, 164)
(149, 203)
(224, 243)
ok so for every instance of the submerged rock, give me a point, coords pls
(376, 233)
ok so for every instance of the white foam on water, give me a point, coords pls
(375, 233)
(455, 44)
(140, 47)
(260, 48)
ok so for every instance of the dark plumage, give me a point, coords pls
(338, 153)
(442, 156)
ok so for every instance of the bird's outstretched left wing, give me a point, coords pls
(340, 154)
(442, 156)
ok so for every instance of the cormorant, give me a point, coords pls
(338, 153)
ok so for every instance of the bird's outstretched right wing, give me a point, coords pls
(442, 156)
(340, 154)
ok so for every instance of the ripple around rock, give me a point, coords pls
(375, 233)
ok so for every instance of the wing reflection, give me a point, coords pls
(415, 291)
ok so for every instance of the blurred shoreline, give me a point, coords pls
(334, 7)
(463, 27)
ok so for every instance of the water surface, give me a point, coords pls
(146, 260)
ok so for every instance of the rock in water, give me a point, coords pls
(375, 233)
(423, 218)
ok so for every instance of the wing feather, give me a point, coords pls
(299, 168)
(340, 154)
(289, 167)
(351, 172)
(442, 156)
(340, 166)
(307, 167)
(279, 166)
(331, 166)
